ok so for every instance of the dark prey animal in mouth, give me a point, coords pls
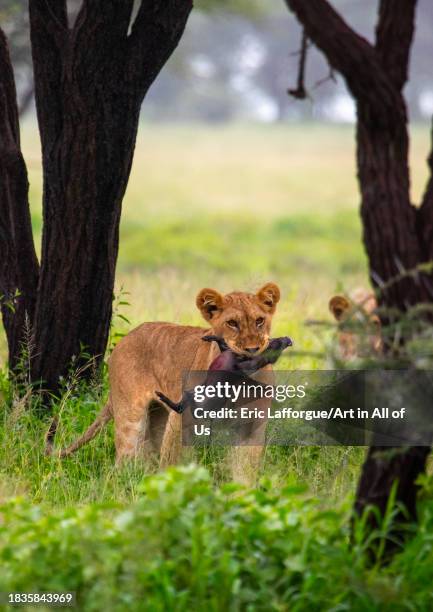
(230, 362)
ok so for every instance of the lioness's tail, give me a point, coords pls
(103, 417)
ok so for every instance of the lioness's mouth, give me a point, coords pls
(236, 349)
(248, 352)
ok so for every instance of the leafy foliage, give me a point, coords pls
(186, 545)
(188, 538)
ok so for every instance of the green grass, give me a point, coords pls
(229, 207)
(89, 475)
(185, 545)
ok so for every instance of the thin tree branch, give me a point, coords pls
(394, 35)
(347, 52)
(300, 92)
(329, 77)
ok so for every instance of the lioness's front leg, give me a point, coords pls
(171, 446)
(246, 459)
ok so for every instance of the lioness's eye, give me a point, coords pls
(233, 323)
(260, 321)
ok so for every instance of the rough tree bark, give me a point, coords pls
(397, 235)
(19, 269)
(90, 81)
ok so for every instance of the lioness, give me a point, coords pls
(360, 305)
(154, 356)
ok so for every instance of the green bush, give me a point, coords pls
(186, 545)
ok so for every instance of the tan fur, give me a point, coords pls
(360, 304)
(154, 356)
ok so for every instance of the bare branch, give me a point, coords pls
(300, 92)
(329, 77)
(394, 34)
(346, 51)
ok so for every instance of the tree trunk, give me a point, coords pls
(397, 236)
(90, 81)
(383, 468)
(390, 229)
(18, 262)
(394, 244)
(86, 175)
(88, 138)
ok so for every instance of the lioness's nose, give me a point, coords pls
(252, 350)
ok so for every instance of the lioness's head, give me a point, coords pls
(242, 319)
(360, 306)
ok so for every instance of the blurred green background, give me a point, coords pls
(233, 206)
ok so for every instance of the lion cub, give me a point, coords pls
(361, 306)
(155, 356)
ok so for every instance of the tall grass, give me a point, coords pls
(89, 475)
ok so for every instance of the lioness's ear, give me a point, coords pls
(269, 296)
(209, 302)
(338, 305)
